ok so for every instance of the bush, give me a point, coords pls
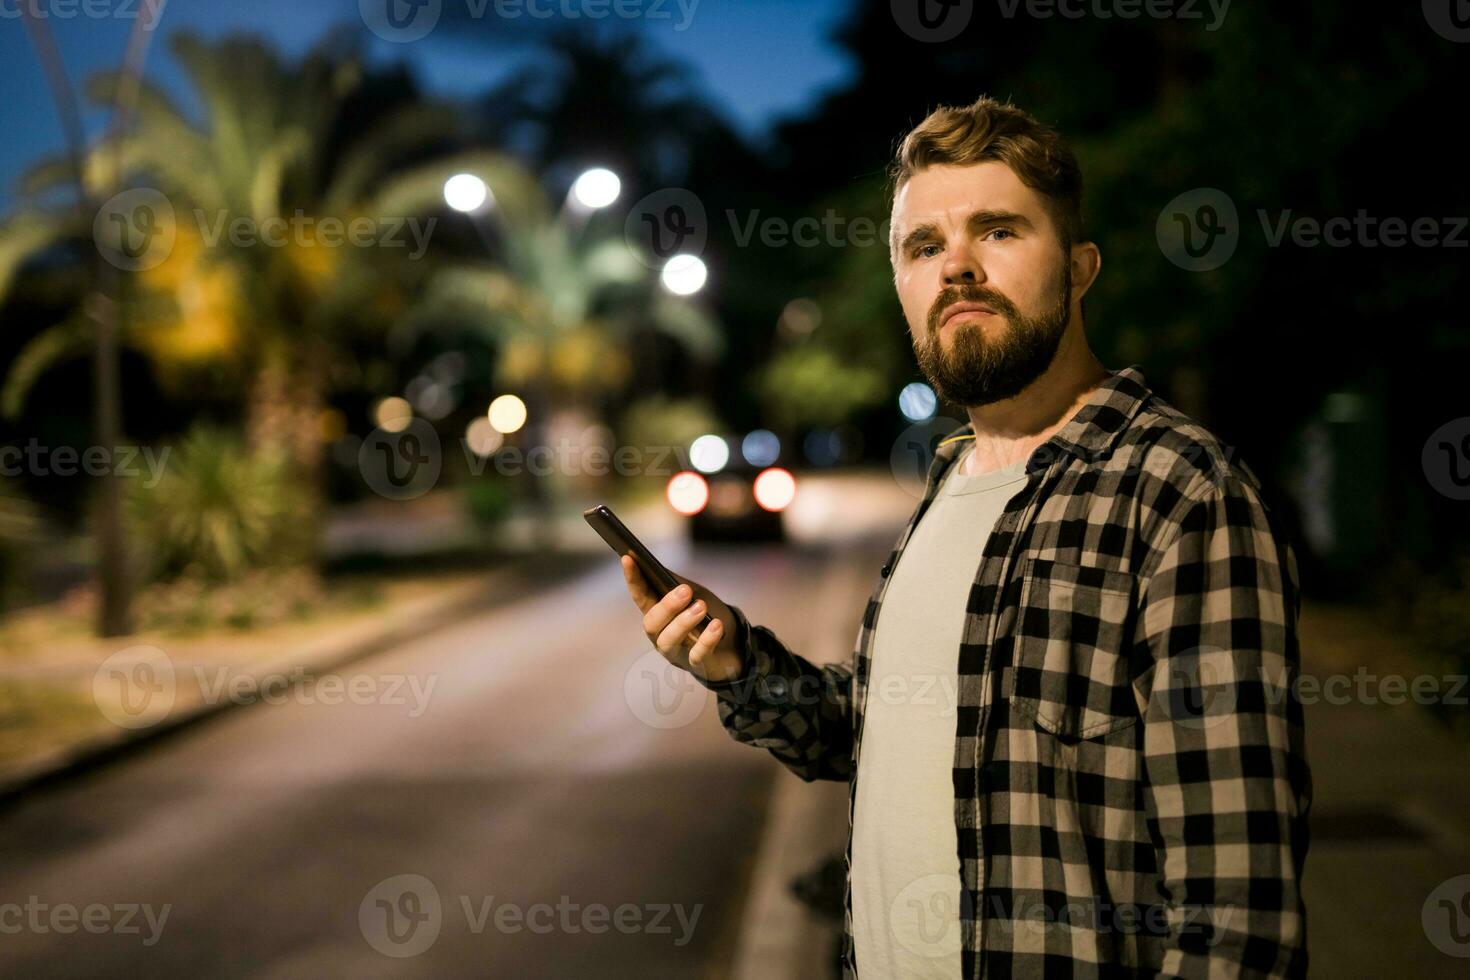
(218, 512)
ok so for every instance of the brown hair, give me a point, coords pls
(992, 130)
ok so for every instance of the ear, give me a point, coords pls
(1086, 264)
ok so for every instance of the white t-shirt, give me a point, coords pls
(905, 851)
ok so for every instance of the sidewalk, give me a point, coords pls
(1391, 813)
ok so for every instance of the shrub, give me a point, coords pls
(218, 512)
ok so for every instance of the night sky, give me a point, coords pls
(757, 59)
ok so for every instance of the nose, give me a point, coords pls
(960, 268)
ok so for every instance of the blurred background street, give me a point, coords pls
(320, 325)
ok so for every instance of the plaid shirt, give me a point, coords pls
(1129, 779)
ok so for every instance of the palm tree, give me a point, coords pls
(562, 313)
(100, 292)
(272, 148)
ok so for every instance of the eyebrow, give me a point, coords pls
(978, 219)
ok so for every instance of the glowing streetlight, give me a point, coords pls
(684, 274)
(467, 193)
(596, 188)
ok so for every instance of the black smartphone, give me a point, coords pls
(624, 542)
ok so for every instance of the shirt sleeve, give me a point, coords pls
(1227, 782)
(800, 713)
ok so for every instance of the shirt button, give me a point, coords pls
(887, 567)
(778, 688)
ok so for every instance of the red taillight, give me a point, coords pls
(687, 493)
(775, 488)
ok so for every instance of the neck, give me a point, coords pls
(1008, 431)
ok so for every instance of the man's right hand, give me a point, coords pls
(671, 622)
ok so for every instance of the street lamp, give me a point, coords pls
(596, 188)
(467, 193)
(684, 274)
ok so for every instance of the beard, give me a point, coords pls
(977, 370)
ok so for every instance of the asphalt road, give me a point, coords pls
(524, 794)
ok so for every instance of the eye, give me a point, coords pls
(1002, 231)
(922, 252)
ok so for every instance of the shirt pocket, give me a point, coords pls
(1069, 666)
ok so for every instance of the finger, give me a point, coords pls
(709, 638)
(664, 611)
(638, 585)
(676, 634)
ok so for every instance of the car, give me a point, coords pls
(734, 501)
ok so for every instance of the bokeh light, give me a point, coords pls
(466, 192)
(761, 447)
(507, 413)
(775, 488)
(684, 275)
(392, 414)
(597, 188)
(482, 438)
(709, 453)
(917, 402)
(687, 492)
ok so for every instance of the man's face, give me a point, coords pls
(982, 278)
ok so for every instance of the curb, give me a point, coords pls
(426, 616)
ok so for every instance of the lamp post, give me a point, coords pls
(593, 190)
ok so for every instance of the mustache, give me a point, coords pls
(969, 293)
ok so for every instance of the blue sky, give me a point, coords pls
(757, 59)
